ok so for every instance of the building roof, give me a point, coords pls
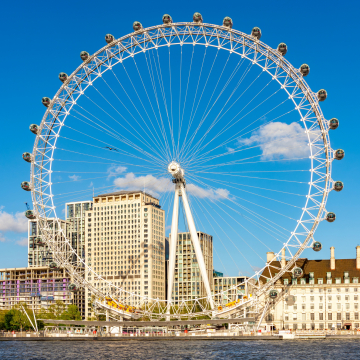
(125, 192)
(319, 268)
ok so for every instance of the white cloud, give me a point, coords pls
(74, 177)
(13, 222)
(279, 140)
(23, 242)
(230, 150)
(115, 170)
(91, 185)
(207, 193)
(151, 184)
(156, 186)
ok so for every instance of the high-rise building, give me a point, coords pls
(38, 252)
(188, 283)
(75, 217)
(125, 243)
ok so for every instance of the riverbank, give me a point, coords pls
(171, 338)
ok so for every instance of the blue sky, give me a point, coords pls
(41, 39)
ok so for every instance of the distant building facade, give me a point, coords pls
(227, 289)
(188, 283)
(325, 297)
(38, 287)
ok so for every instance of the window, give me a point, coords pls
(328, 275)
(347, 315)
(303, 306)
(294, 316)
(338, 306)
(329, 316)
(312, 316)
(311, 275)
(347, 306)
(337, 280)
(286, 281)
(356, 316)
(338, 316)
(346, 274)
(320, 281)
(286, 317)
(303, 317)
(311, 298)
(321, 316)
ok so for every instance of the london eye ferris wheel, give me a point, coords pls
(218, 125)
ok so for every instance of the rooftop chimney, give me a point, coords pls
(283, 260)
(269, 256)
(332, 258)
(358, 257)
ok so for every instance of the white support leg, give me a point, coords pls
(172, 246)
(196, 244)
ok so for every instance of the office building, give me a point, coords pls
(125, 243)
(188, 283)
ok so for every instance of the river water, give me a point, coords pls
(187, 349)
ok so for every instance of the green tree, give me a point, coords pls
(71, 313)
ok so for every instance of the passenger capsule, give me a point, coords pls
(73, 287)
(333, 124)
(305, 69)
(54, 266)
(317, 246)
(227, 22)
(282, 49)
(330, 217)
(84, 55)
(137, 26)
(30, 214)
(46, 101)
(256, 32)
(109, 38)
(197, 18)
(273, 294)
(338, 185)
(27, 157)
(25, 186)
(34, 128)
(167, 19)
(339, 154)
(322, 95)
(63, 77)
(297, 272)
(39, 241)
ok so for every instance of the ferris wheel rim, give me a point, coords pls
(295, 73)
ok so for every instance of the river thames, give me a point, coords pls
(187, 349)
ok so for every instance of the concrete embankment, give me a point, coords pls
(155, 338)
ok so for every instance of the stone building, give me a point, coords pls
(326, 296)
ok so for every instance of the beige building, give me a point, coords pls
(125, 243)
(325, 297)
(38, 287)
(188, 283)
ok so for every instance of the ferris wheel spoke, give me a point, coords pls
(217, 235)
(224, 232)
(185, 98)
(194, 98)
(152, 137)
(237, 134)
(204, 117)
(157, 65)
(162, 127)
(222, 113)
(256, 215)
(128, 143)
(230, 124)
(241, 148)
